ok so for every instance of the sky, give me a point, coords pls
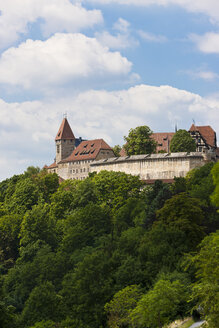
(110, 65)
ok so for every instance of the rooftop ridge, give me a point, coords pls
(65, 131)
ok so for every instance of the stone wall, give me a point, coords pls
(155, 166)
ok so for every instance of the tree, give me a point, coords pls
(113, 188)
(42, 304)
(183, 213)
(26, 194)
(38, 225)
(139, 141)
(159, 305)
(206, 288)
(121, 306)
(9, 241)
(116, 150)
(215, 175)
(182, 142)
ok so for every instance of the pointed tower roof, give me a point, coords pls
(65, 131)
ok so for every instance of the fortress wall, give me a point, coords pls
(155, 166)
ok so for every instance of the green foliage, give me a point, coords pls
(116, 150)
(183, 213)
(182, 142)
(9, 241)
(215, 175)
(139, 141)
(113, 188)
(68, 250)
(42, 304)
(38, 225)
(26, 194)
(159, 305)
(206, 288)
(121, 306)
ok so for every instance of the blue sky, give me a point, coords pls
(111, 65)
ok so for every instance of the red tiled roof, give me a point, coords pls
(52, 166)
(207, 133)
(163, 140)
(65, 131)
(87, 150)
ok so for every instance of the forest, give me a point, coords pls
(108, 251)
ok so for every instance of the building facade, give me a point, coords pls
(74, 155)
(76, 158)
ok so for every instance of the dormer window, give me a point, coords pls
(92, 145)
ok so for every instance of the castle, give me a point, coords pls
(76, 157)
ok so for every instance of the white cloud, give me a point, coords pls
(207, 43)
(203, 74)
(207, 7)
(28, 129)
(121, 40)
(122, 25)
(62, 58)
(56, 16)
(150, 37)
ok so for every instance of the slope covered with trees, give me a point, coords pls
(107, 251)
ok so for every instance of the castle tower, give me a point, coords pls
(65, 141)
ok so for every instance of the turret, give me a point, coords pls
(65, 141)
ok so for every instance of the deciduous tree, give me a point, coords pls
(182, 142)
(139, 141)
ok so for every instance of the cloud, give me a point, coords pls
(121, 40)
(152, 37)
(207, 43)
(203, 74)
(28, 129)
(60, 59)
(122, 25)
(207, 7)
(52, 15)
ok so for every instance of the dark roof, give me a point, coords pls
(163, 140)
(207, 133)
(65, 131)
(87, 150)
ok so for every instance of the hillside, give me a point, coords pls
(108, 251)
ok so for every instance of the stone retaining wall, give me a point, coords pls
(154, 166)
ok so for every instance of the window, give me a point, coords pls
(76, 170)
(81, 170)
(58, 149)
(84, 170)
(200, 149)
